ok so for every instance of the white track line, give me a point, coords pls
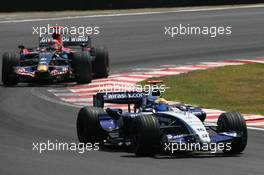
(128, 79)
(163, 73)
(74, 94)
(58, 90)
(135, 14)
(220, 64)
(65, 95)
(103, 82)
(77, 100)
(46, 98)
(254, 128)
(253, 61)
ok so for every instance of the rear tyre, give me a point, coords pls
(10, 60)
(101, 63)
(145, 135)
(233, 121)
(89, 129)
(82, 66)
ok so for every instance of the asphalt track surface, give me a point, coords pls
(133, 41)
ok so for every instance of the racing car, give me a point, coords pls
(77, 60)
(148, 126)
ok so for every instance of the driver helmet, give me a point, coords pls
(161, 104)
(56, 43)
(56, 36)
(153, 95)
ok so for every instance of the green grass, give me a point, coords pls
(230, 88)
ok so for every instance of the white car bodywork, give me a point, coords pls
(193, 123)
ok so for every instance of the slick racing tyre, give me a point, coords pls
(101, 63)
(10, 60)
(233, 121)
(89, 129)
(82, 67)
(145, 135)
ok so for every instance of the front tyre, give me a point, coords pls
(145, 135)
(82, 67)
(89, 129)
(233, 121)
(10, 61)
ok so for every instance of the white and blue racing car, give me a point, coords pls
(150, 127)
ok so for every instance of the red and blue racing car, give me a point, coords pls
(56, 59)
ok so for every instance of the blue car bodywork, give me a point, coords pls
(179, 124)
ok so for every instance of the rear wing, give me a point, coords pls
(68, 40)
(118, 98)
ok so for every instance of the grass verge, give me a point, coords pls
(230, 88)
